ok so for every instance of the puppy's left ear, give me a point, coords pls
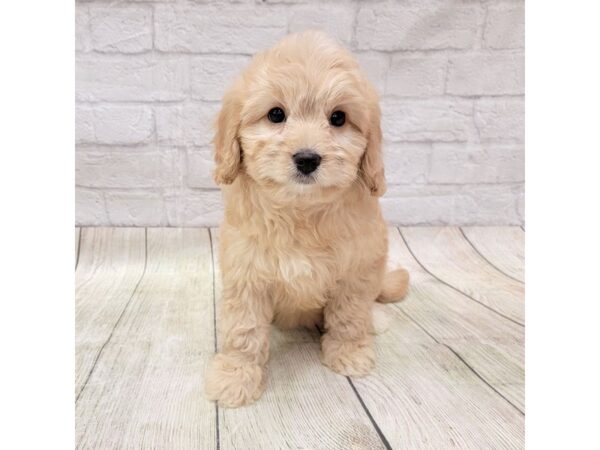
(372, 162)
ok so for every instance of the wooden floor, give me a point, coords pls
(450, 368)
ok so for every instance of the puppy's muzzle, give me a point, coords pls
(306, 161)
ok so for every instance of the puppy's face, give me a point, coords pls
(302, 122)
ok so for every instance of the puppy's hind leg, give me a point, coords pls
(395, 286)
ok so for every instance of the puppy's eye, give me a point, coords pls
(276, 115)
(338, 118)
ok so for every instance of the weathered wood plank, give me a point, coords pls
(111, 264)
(500, 362)
(503, 247)
(146, 388)
(449, 257)
(305, 405)
(467, 327)
(443, 311)
(423, 396)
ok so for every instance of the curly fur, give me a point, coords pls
(294, 253)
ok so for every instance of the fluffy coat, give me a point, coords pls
(299, 251)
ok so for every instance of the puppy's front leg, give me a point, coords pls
(236, 375)
(347, 344)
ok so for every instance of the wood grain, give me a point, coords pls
(447, 255)
(503, 247)
(146, 388)
(111, 264)
(449, 371)
(423, 396)
(491, 345)
(305, 405)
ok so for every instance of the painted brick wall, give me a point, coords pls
(150, 74)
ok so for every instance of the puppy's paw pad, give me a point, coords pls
(348, 358)
(233, 383)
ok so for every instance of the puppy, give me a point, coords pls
(303, 242)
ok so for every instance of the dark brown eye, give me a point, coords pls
(338, 118)
(276, 115)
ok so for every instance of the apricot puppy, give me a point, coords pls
(298, 152)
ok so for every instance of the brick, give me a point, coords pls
(211, 75)
(416, 75)
(128, 1)
(452, 204)
(89, 207)
(505, 27)
(488, 205)
(194, 208)
(121, 28)
(406, 163)
(82, 28)
(336, 20)
(136, 209)
(84, 125)
(375, 66)
(125, 168)
(500, 119)
(131, 78)
(200, 166)
(218, 29)
(486, 74)
(190, 124)
(472, 163)
(114, 124)
(426, 120)
(389, 26)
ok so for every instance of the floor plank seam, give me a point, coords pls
(89, 375)
(384, 440)
(487, 260)
(78, 248)
(214, 292)
(483, 379)
(437, 341)
(453, 287)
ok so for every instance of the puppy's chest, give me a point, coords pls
(298, 265)
(305, 272)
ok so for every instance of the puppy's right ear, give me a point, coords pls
(228, 155)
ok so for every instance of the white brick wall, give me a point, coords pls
(150, 75)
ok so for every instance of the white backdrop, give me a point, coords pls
(149, 77)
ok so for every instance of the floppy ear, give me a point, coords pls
(372, 162)
(228, 155)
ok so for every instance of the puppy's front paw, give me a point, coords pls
(347, 358)
(233, 382)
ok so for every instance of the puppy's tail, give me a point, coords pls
(395, 286)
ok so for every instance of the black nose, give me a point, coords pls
(306, 161)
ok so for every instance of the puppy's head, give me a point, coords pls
(301, 121)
